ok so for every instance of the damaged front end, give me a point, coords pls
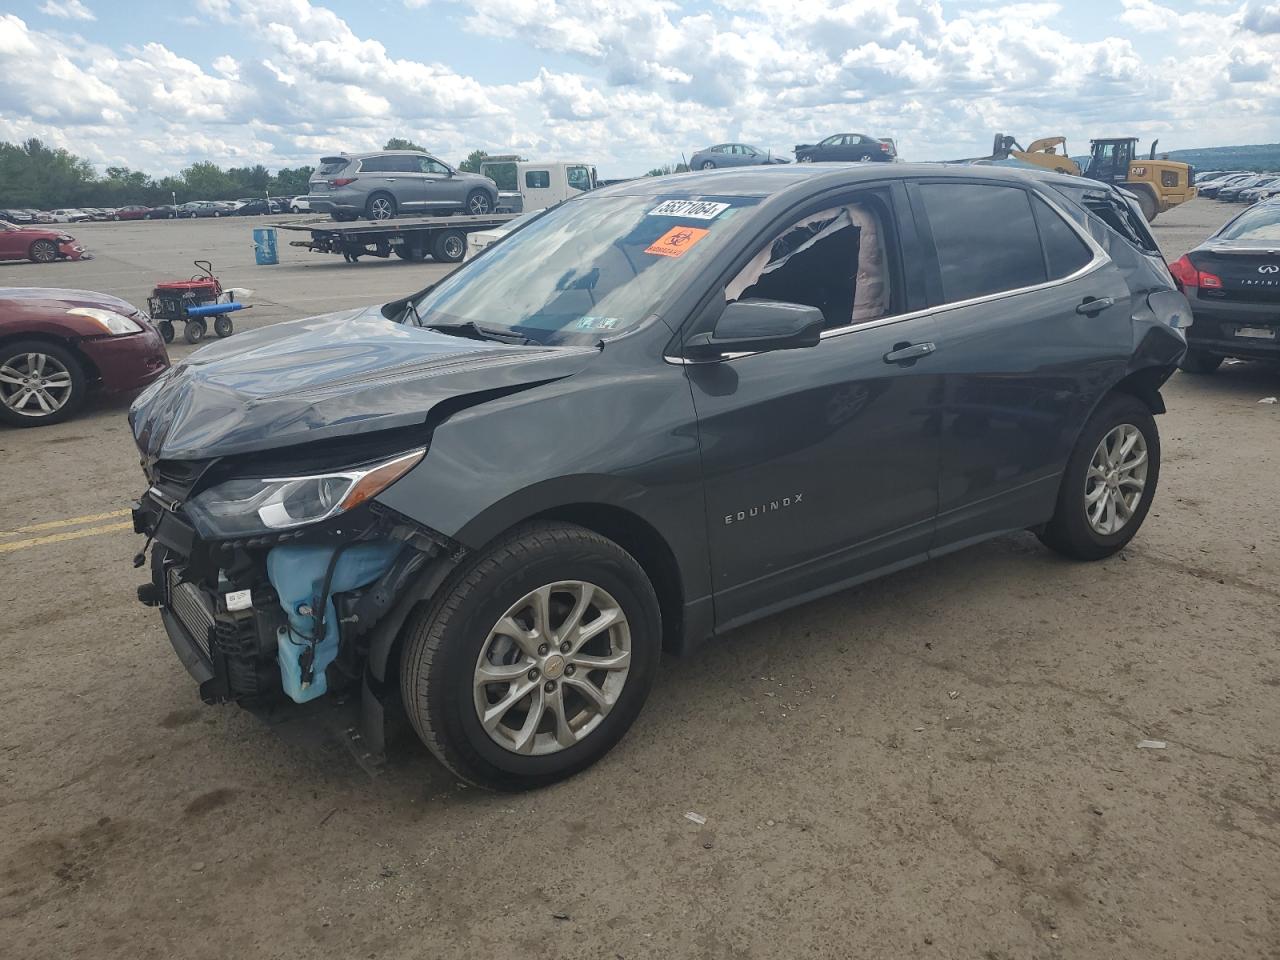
(284, 589)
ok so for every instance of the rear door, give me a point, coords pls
(1033, 327)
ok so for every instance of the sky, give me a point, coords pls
(625, 84)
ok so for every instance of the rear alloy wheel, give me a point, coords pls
(478, 203)
(44, 251)
(380, 206)
(1198, 361)
(1109, 482)
(535, 659)
(40, 383)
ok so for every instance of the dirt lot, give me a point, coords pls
(940, 764)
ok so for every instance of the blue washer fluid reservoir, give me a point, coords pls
(297, 572)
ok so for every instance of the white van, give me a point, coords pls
(525, 185)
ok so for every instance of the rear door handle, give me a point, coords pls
(907, 352)
(1092, 306)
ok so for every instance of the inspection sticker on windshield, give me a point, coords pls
(597, 323)
(676, 242)
(689, 209)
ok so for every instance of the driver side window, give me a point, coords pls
(835, 259)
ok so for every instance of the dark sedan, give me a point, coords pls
(57, 346)
(653, 413)
(259, 207)
(166, 211)
(1232, 280)
(846, 147)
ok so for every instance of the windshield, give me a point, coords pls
(585, 270)
(1257, 223)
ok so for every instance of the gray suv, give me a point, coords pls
(381, 185)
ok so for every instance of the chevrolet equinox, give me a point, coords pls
(651, 414)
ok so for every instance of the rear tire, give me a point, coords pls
(1200, 362)
(380, 206)
(413, 252)
(223, 326)
(61, 379)
(450, 246)
(194, 332)
(1092, 478)
(451, 645)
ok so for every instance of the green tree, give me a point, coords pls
(205, 180)
(473, 161)
(292, 181)
(400, 143)
(668, 168)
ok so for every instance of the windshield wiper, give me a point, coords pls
(471, 328)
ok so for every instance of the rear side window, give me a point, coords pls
(377, 164)
(537, 179)
(985, 236)
(1064, 251)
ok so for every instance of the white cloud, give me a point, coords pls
(646, 82)
(67, 10)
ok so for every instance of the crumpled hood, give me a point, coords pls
(332, 375)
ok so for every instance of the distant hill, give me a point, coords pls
(1261, 156)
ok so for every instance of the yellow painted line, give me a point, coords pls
(61, 537)
(69, 522)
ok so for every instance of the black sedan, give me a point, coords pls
(846, 147)
(1233, 283)
(258, 207)
(166, 211)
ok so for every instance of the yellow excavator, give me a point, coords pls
(1158, 184)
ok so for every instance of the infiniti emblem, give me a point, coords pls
(1269, 268)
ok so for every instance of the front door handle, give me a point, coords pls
(1092, 306)
(908, 352)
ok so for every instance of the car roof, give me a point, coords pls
(768, 181)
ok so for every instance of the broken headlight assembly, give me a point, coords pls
(243, 507)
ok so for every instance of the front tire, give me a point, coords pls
(534, 659)
(1109, 482)
(41, 383)
(478, 203)
(44, 251)
(1199, 361)
(707, 165)
(1147, 203)
(195, 331)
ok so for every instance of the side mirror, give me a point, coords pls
(756, 326)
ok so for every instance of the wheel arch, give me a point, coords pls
(1144, 384)
(91, 372)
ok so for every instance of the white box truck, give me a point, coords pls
(527, 185)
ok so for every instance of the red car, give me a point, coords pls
(56, 346)
(132, 213)
(41, 244)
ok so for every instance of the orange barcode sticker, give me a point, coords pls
(676, 242)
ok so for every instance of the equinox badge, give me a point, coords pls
(760, 509)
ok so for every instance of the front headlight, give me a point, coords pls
(113, 323)
(239, 508)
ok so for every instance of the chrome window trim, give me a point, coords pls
(1100, 259)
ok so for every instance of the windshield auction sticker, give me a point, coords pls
(676, 242)
(689, 209)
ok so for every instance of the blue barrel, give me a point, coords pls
(264, 246)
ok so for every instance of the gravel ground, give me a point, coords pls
(943, 763)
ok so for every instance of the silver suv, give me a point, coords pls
(381, 185)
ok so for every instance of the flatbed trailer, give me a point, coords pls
(409, 238)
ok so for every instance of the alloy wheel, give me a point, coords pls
(1116, 477)
(35, 384)
(43, 251)
(380, 208)
(552, 668)
(479, 204)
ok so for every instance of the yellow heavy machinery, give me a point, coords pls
(1158, 184)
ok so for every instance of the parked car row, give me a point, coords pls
(1238, 186)
(248, 206)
